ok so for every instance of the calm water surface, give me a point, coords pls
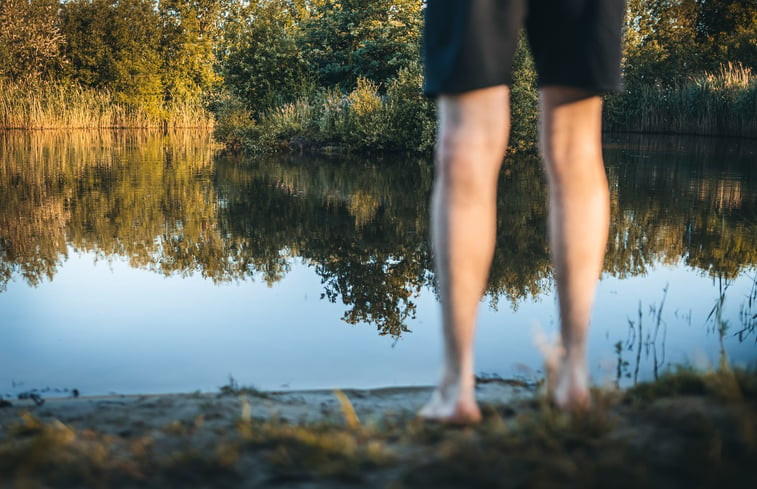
(137, 263)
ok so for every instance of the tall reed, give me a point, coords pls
(723, 103)
(56, 105)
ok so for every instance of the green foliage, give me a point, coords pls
(191, 29)
(524, 100)
(666, 41)
(153, 61)
(260, 60)
(348, 40)
(659, 39)
(342, 75)
(729, 29)
(412, 117)
(678, 57)
(234, 121)
(116, 45)
(362, 120)
(352, 65)
(279, 50)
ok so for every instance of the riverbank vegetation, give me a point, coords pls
(303, 75)
(690, 67)
(71, 105)
(106, 63)
(348, 78)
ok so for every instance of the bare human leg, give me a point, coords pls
(570, 142)
(472, 139)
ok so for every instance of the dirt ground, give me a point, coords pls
(685, 430)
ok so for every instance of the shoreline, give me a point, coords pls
(685, 430)
(303, 406)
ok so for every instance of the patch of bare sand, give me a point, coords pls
(133, 415)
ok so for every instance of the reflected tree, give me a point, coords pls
(357, 223)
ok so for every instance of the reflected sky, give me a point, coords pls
(156, 265)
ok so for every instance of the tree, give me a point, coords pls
(667, 41)
(260, 60)
(30, 39)
(191, 29)
(115, 44)
(350, 39)
(729, 29)
(660, 36)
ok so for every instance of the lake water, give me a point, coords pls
(139, 263)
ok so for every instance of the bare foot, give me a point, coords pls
(452, 404)
(571, 391)
(567, 378)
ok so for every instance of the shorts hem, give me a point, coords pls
(598, 89)
(435, 92)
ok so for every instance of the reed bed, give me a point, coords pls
(723, 103)
(56, 105)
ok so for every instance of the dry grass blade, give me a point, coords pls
(348, 411)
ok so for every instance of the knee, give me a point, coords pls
(570, 138)
(576, 161)
(468, 160)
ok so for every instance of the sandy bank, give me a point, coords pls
(686, 430)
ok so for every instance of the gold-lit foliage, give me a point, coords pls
(57, 105)
(711, 103)
(684, 430)
(142, 196)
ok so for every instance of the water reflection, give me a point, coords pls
(173, 205)
(361, 225)
(682, 199)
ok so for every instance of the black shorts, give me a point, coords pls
(470, 44)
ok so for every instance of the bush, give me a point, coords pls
(362, 120)
(412, 115)
(234, 122)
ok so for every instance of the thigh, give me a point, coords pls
(477, 112)
(577, 43)
(469, 44)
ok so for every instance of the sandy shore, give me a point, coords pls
(686, 430)
(118, 414)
